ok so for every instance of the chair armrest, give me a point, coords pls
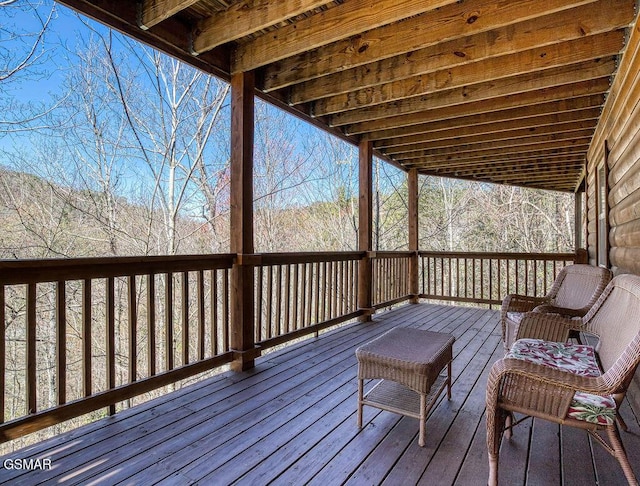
(517, 303)
(521, 303)
(563, 311)
(548, 327)
(537, 389)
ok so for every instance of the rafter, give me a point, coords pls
(516, 157)
(506, 119)
(500, 140)
(337, 23)
(245, 18)
(485, 72)
(529, 127)
(564, 26)
(451, 22)
(155, 11)
(426, 113)
(451, 154)
(562, 159)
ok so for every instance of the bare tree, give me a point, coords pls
(23, 54)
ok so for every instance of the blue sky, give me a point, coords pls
(44, 82)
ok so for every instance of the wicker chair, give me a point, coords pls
(572, 294)
(565, 384)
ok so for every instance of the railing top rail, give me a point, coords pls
(306, 257)
(14, 272)
(390, 254)
(503, 255)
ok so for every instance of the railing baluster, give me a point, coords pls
(287, 300)
(185, 317)
(333, 289)
(133, 329)
(322, 289)
(214, 313)
(111, 338)
(3, 351)
(317, 286)
(279, 326)
(31, 384)
(269, 301)
(86, 339)
(304, 296)
(168, 321)
(296, 321)
(258, 303)
(225, 311)
(61, 342)
(151, 324)
(201, 319)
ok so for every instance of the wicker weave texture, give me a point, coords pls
(412, 357)
(541, 391)
(573, 294)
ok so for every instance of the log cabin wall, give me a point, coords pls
(617, 142)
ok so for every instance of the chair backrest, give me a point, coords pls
(615, 319)
(579, 286)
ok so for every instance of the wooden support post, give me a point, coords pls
(365, 220)
(577, 238)
(412, 185)
(242, 300)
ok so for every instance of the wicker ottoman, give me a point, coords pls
(409, 363)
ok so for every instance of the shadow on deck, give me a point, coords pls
(292, 420)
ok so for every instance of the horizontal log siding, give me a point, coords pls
(619, 127)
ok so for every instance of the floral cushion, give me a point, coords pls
(515, 316)
(573, 358)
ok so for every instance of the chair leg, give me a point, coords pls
(493, 470)
(360, 398)
(621, 455)
(621, 422)
(495, 418)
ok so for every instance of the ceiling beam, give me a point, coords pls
(450, 22)
(426, 114)
(527, 127)
(451, 154)
(567, 25)
(557, 186)
(562, 159)
(557, 162)
(506, 119)
(342, 21)
(523, 83)
(502, 139)
(485, 72)
(152, 12)
(531, 172)
(516, 157)
(245, 18)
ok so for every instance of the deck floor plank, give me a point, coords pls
(292, 420)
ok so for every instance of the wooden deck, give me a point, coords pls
(292, 420)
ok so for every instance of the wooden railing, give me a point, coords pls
(390, 277)
(301, 293)
(86, 334)
(485, 278)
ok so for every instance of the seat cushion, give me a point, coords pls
(515, 316)
(573, 358)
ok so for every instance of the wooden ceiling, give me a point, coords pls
(497, 91)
